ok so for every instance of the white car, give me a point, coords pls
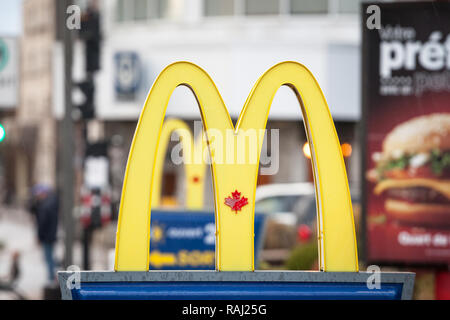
(287, 203)
(292, 204)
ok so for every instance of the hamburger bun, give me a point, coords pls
(418, 135)
(423, 214)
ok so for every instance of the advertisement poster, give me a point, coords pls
(187, 240)
(406, 115)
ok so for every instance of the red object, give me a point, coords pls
(389, 241)
(195, 179)
(304, 233)
(442, 286)
(89, 200)
(424, 171)
(236, 202)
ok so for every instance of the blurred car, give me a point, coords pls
(291, 212)
(290, 203)
(287, 203)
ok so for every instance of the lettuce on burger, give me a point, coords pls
(413, 170)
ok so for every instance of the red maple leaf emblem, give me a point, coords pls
(235, 202)
(196, 179)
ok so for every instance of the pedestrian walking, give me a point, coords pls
(44, 206)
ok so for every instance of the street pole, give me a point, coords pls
(67, 146)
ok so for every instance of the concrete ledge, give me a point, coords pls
(152, 280)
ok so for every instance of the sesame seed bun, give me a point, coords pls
(418, 135)
(423, 214)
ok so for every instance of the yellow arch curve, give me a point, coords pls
(195, 167)
(234, 232)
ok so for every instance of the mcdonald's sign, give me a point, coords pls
(195, 166)
(234, 186)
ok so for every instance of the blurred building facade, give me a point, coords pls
(9, 99)
(234, 41)
(35, 126)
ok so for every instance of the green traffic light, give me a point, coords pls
(2, 133)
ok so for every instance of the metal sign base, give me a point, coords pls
(213, 285)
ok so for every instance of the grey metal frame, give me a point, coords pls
(405, 278)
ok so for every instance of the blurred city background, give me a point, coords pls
(115, 55)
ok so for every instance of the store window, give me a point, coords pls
(349, 6)
(121, 10)
(219, 8)
(140, 10)
(262, 7)
(275, 7)
(307, 6)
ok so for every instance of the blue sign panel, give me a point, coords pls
(186, 240)
(237, 285)
(236, 291)
(128, 74)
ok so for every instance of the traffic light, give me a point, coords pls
(91, 35)
(2, 133)
(87, 108)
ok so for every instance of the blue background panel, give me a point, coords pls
(185, 240)
(234, 291)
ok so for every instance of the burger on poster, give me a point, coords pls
(413, 171)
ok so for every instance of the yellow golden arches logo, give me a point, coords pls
(234, 232)
(195, 167)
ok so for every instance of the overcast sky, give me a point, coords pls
(10, 17)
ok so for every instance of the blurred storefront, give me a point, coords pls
(233, 41)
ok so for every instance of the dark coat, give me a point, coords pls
(46, 212)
